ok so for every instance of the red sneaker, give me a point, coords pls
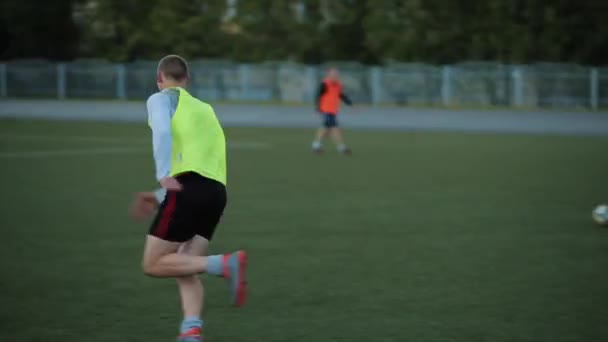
(195, 334)
(237, 270)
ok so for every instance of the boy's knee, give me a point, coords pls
(149, 269)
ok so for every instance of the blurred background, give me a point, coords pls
(508, 53)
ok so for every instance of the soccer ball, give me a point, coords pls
(600, 214)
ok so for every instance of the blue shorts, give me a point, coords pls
(329, 120)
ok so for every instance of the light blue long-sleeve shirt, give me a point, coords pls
(161, 106)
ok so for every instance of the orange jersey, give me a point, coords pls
(330, 100)
(330, 95)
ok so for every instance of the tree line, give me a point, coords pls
(308, 31)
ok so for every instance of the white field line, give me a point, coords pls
(99, 150)
(69, 138)
(248, 145)
(29, 154)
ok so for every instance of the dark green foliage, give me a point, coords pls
(310, 31)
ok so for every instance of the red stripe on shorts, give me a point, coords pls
(167, 215)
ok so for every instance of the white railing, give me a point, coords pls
(464, 84)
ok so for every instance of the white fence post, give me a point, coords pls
(3, 82)
(121, 82)
(518, 94)
(594, 85)
(61, 82)
(446, 85)
(375, 84)
(311, 83)
(243, 80)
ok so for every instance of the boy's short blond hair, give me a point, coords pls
(173, 67)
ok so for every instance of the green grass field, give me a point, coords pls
(417, 237)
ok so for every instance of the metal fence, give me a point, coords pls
(464, 84)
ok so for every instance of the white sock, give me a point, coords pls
(316, 145)
(342, 148)
(191, 322)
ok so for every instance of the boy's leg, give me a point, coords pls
(317, 144)
(162, 260)
(191, 293)
(191, 287)
(232, 266)
(336, 134)
(322, 133)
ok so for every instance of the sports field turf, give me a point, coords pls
(418, 237)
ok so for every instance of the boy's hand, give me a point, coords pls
(144, 205)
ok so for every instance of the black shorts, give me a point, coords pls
(330, 120)
(195, 210)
